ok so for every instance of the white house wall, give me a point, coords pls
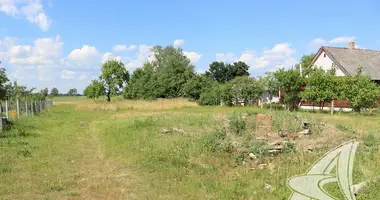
(326, 63)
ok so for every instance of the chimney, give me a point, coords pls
(351, 45)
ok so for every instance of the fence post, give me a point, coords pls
(31, 105)
(26, 108)
(18, 109)
(6, 109)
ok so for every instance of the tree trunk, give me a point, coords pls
(332, 106)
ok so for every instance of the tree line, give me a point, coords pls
(170, 74)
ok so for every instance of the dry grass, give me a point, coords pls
(160, 104)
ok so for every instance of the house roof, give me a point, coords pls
(349, 59)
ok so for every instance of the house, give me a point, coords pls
(346, 62)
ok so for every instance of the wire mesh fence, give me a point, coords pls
(15, 109)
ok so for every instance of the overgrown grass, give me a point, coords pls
(81, 153)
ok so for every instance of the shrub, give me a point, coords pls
(289, 147)
(209, 99)
(275, 106)
(216, 142)
(237, 124)
(258, 147)
(370, 140)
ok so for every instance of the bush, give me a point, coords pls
(237, 124)
(370, 140)
(216, 142)
(289, 147)
(258, 147)
(209, 99)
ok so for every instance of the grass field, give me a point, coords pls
(91, 150)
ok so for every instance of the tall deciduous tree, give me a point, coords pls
(94, 90)
(3, 80)
(194, 87)
(45, 92)
(224, 72)
(54, 92)
(163, 76)
(114, 76)
(72, 92)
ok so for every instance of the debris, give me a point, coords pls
(359, 188)
(245, 116)
(304, 132)
(282, 133)
(263, 116)
(261, 166)
(274, 151)
(171, 130)
(267, 186)
(305, 124)
(252, 156)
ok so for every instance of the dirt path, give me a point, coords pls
(102, 178)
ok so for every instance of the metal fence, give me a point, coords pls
(16, 109)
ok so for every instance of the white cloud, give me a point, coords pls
(44, 51)
(343, 39)
(86, 56)
(119, 47)
(178, 43)
(317, 42)
(226, 57)
(67, 74)
(143, 55)
(84, 76)
(32, 10)
(280, 55)
(193, 56)
(109, 56)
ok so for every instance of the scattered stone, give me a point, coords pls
(359, 188)
(171, 130)
(304, 132)
(252, 156)
(261, 166)
(282, 133)
(267, 186)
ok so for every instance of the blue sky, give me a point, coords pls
(50, 43)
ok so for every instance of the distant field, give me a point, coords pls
(69, 99)
(94, 150)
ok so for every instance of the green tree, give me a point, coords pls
(45, 92)
(321, 87)
(361, 92)
(291, 81)
(172, 70)
(212, 96)
(54, 92)
(244, 89)
(3, 80)
(94, 90)
(194, 87)
(163, 76)
(72, 92)
(114, 76)
(306, 63)
(271, 85)
(224, 72)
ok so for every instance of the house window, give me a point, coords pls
(324, 55)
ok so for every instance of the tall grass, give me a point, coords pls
(160, 104)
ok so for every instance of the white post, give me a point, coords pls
(31, 105)
(26, 107)
(6, 109)
(18, 109)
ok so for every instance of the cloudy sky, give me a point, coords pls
(62, 43)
